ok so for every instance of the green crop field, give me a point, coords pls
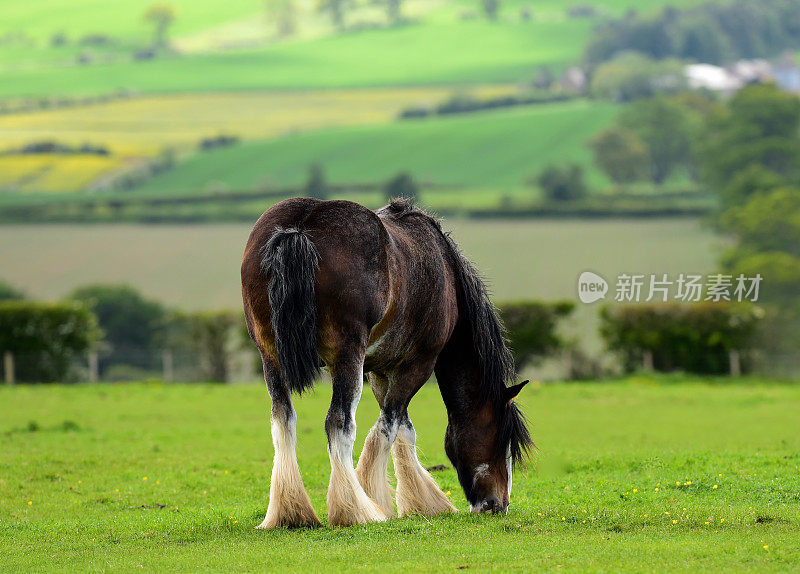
(499, 149)
(640, 474)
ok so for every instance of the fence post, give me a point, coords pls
(167, 364)
(735, 363)
(647, 361)
(8, 367)
(94, 367)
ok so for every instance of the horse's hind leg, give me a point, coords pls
(417, 491)
(289, 504)
(347, 501)
(374, 460)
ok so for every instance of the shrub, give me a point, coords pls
(402, 185)
(132, 324)
(316, 185)
(696, 338)
(10, 293)
(631, 76)
(532, 328)
(216, 142)
(562, 183)
(45, 338)
(209, 337)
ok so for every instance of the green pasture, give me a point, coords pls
(317, 55)
(398, 56)
(640, 474)
(39, 19)
(493, 149)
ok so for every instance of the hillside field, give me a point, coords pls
(134, 129)
(227, 72)
(685, 475)
(499, 149)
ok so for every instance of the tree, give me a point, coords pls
(767, 229)
(209, 338)
(402, 185)
(665, 128)
(316, 185)
(532, 329)
(621, 154)
(631, 76)
(759, 127)
(161, 16)
(491, 8)
(284, 14)
(10, 293)
(393, 11)
(562, 183)
(767, 222)
(336, 9)
(132, 325)
(544, 78)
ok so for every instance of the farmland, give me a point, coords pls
(197, 267)
(494, 149)
(137, 128)
(688, 475)
(319, 95)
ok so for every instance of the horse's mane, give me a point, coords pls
(488, 338)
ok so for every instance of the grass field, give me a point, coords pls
(640, 474)
(497, 149)
(507, 52)
(197, 267)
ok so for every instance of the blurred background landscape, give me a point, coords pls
(649, 139)
(139, 142)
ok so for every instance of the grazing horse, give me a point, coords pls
(386, 293)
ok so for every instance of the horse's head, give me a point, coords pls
(483, 442)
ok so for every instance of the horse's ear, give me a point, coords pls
(513, 391)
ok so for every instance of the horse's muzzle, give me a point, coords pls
(490, 505)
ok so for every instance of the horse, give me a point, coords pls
(386, 293)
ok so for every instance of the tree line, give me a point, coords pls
(713, 32)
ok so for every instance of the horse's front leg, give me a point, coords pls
(417, 491)
(289, 504)
(374, 462)
(347, 501)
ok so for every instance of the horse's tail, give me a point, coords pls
(291, 260)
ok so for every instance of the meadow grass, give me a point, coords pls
(498, 149)
(639, 474)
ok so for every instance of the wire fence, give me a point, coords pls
(244, 365)
(132, 365)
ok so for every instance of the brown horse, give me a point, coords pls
(389, 294)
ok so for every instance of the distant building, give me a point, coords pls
(573, 80)
(714, 78)
(752, 71)
(786, 74)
